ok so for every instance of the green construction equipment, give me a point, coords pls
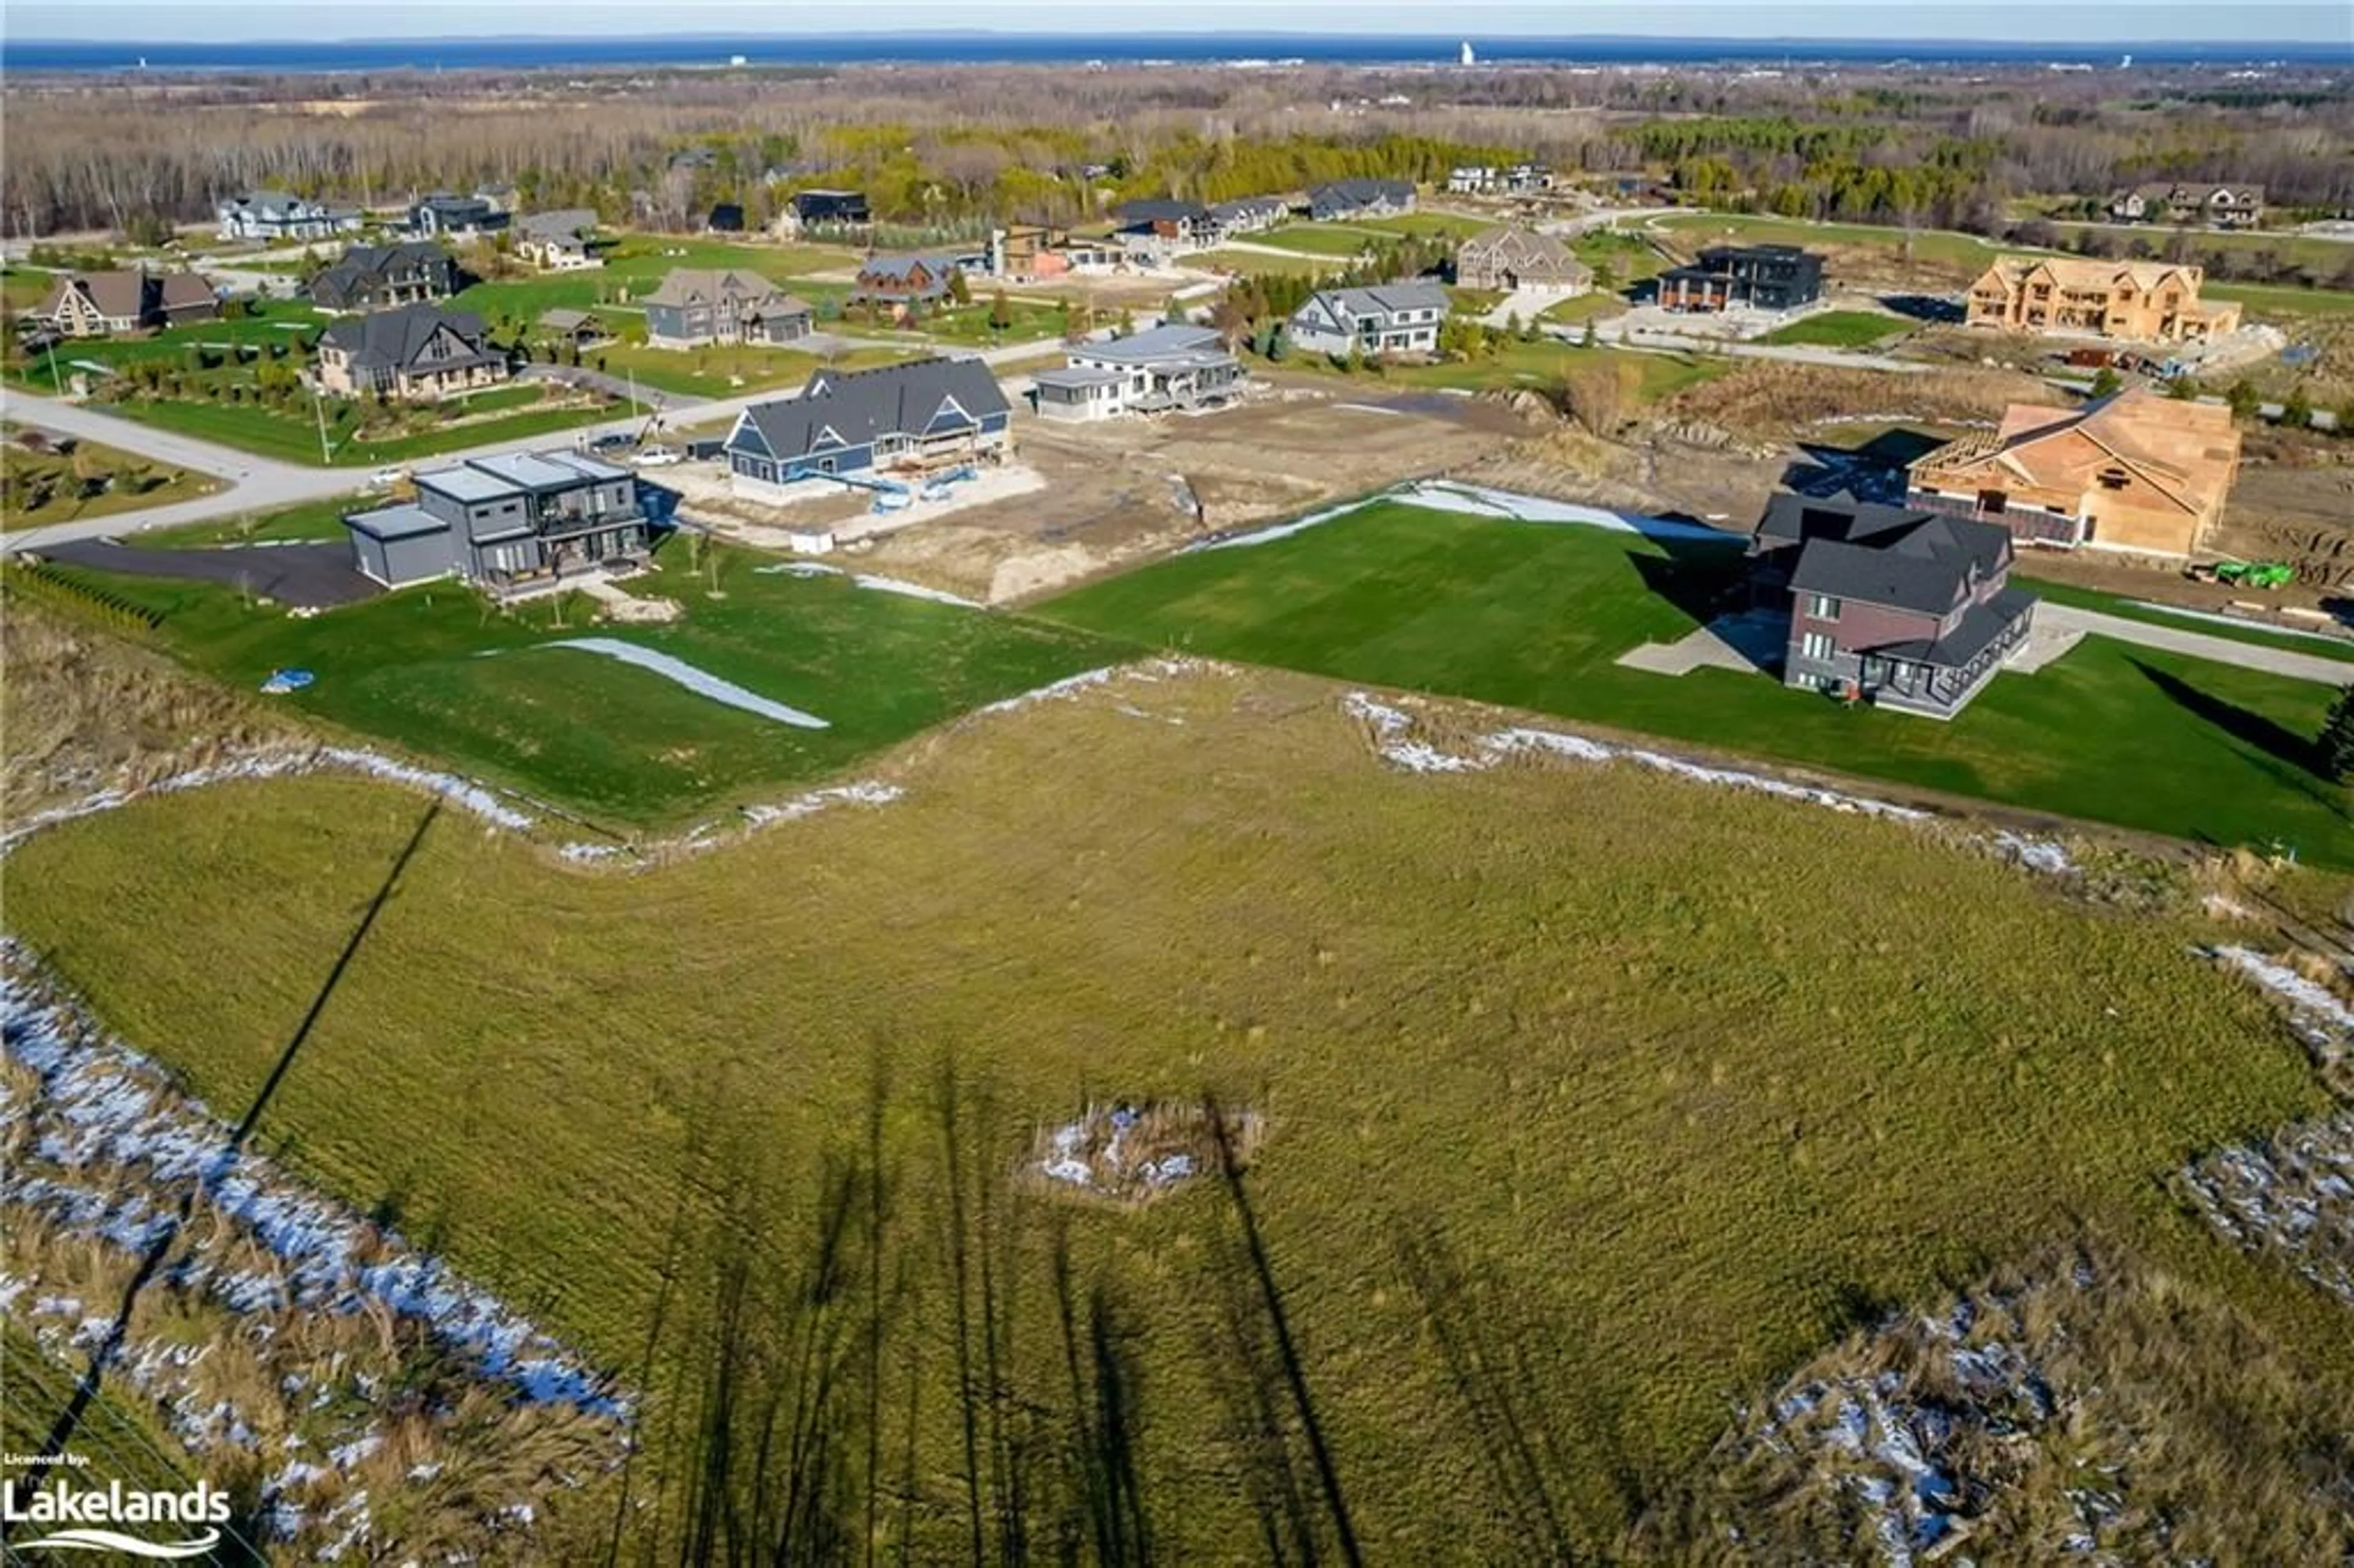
(2255, 574)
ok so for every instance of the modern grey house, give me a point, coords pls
(274, 215)
(1906, 609)
(442, 213)
(1360, 198)
(505, 523)
(849, 425)
(692, 307)
(371, 277)
(1395, 318)
(1170, 366)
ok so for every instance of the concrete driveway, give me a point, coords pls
(2060, 624)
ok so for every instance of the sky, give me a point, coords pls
(2080, 21)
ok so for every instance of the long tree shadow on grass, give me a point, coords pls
(2294, 757)
(102, 1358)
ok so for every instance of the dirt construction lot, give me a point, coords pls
(1122, 490)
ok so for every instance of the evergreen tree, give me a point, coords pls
(2243, 399)
(2296, 409)
(2106, 381)
(2334, 750)
(1001, 313)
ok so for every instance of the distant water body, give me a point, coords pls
(1053, 49)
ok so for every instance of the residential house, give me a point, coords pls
(694, 158)
(1395, 318)
(1360, 198)
(274, 215)
(2218, 206)
(415, 352)
(443, 214)
(821, 211)
(1515, 259)
(1153, 231)
(902, 279)
(505, 523)
(1167, 367)
(853, 425)
(1747, 277)
(2155, 302)
(2137, 472)
(693, 306)
(578, 329)
(1905, 608)
(726, 217)
(559, 241)
(95, 304)
(1487, 179)
(1247, 215)
(370, 276)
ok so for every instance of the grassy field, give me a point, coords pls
(614, 742)
(51, 373)
(312, 523)
(1336, 243)
(1540, 364)
(2267, 301)
(293, 437)
(1452, 224)
(1535, 617)
(722, 371)
(1838, 329)
(1246, 262)
(1591, 1105)
(637, 264)
(46, 486)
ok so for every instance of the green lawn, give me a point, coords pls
(45, 487)
(1540, 364)
(2267, 300)
(612, 741)
(1451, 225)
(1533, 616)
(293, 435)
(51, 372)
(722, 371)
(637, 264)
(312, 523)
(1838, 329)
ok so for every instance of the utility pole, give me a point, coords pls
(319, 413)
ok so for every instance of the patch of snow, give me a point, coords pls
(1273, 532)
(116, 1109)
(1448, 496)
(798, 569)
(701, 683)
(2036, 854)
(1052, 690)
(913, 590)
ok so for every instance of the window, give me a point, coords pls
(2114, 479)
(1822, 607)
(1818, 645)
(1992, 502)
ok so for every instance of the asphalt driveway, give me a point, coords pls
(311, 576)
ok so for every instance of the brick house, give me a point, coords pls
(2137, 472)
(2151, 301)
(1905, 607)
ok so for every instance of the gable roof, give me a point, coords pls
(697, 285)
(565, 223)
(2184, 450)
(1360, 192)
(858, 406)
(397, 336)
(563, 320)
(116, 295)
(364, 264)
(2089, 273)
(1247, 206)
(1153, 211)
(900, 267)
(1898, 556)
(183, 291)
(1169, 342)
(1383, 299)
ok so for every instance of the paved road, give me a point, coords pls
(259, 484)
(2064, 618)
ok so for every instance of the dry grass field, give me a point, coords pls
(1585, 1106)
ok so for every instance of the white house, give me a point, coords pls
(1395, 318)
(274, 215)
(1170, 366)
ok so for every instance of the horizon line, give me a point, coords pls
(1513, 36)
